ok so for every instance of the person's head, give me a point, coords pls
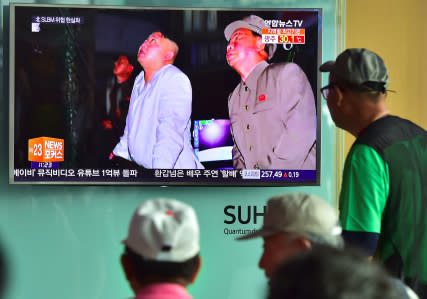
(157, 51)
(356, 90)
(122, 66)
(330, 273)
(245, 47)
(162, 244)
(294, 223)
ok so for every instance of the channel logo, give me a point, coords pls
(46, 149)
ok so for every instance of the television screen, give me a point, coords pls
(164, 95)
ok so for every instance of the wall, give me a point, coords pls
(64, 241)
(397, 31)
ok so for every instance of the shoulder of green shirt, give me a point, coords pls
(364, 190)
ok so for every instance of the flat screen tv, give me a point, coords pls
(77, 89)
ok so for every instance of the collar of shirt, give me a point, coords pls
(254, 75)
(161, 70)
(379, 119)
(144, 84)
(163, 290)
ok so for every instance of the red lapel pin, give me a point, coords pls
(261, 98)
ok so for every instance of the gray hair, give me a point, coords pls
(335, 241)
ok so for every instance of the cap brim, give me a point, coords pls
(328, 66)
(257, 234)
(229, 30)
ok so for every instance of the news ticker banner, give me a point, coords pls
(45, 153)
(162, 175)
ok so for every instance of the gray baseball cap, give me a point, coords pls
(359, 66)
(253, 23)
(298, 213)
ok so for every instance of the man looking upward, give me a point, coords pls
(272, 109)
(157, 132)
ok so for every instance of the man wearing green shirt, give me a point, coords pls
(383, 200)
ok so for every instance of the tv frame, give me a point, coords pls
(151, 178)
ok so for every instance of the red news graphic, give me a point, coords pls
(283, 35)
(46, 149)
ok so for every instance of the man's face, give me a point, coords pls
(152, 50)
(121, 66)
(242, 44)
(277, 248)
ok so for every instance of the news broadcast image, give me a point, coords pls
(74, 80)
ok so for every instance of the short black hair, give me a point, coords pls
(256, 34)
(330, 273)
(144, 267)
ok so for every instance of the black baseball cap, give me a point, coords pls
(359, 66)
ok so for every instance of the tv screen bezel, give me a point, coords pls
(158, 181)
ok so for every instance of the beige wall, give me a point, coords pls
(397, 31)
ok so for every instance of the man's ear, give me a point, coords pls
(130, 68)
(259, 44)
(169, 56)
(196, 272)
(304, 243)
(340, 95)
(127, 266)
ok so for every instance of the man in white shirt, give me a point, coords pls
(157, 132)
